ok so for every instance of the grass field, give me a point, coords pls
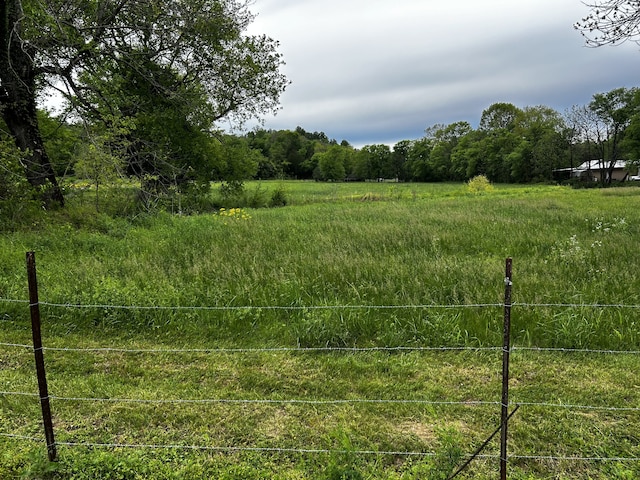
(371, 273)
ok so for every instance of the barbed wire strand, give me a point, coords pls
(253, 307)
(575, 305)
(247, 449)
(315, 450)
(273, 349)
(514, 348)
(568, 406)
(25, 394)
(274, 401)
(241, 350)
(578, 459)
(345, 401)
(18, 345)
(11, 300)
(323, 307)
(574, 350)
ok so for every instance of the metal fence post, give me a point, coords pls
(34, 307)
(506, 347)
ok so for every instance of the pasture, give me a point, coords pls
(351, 334)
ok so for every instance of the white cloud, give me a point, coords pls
(378, 71)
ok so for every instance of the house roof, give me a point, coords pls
(594, 165)
(598, 164)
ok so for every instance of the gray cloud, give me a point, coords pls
(382, 71)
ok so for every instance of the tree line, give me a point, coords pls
(510, 145)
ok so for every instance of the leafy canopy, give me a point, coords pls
(167, 70)
(191, 44)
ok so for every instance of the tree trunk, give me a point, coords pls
(18, 103)
(21, 119)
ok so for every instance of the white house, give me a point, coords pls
(595, 170)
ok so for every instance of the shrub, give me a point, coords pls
(231, 188)
(255, 198)
(479, 184)
(279, 197)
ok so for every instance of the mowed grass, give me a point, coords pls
(342, 266)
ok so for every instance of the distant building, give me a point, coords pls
(595, 170)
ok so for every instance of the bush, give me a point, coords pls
(255, 198)
(231, 192)
(194, 197)
(479, 184)
(279, 197)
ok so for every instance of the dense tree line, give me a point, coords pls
(510, 145)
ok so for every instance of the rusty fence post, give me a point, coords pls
(506, 348)
(34, 306)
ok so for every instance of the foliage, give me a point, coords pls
(498, 117)
(61, 140)
(279, 197)
(333, 163)
(373, 162)
(288, 153)
(18, 203)
(99, 165)
(614, 110)
(237, 162)
(231, 191)
(11, 183)
(134, 62)
(479, 184)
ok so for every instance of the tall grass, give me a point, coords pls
(440, 246)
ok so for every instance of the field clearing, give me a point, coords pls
(428, 254)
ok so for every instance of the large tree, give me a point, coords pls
(498, 123)
(79, 46)
(611, 22)
(331, 163)
(444, 139)
(18, 90)
(540, 147)
(614, 110)
(373, 162)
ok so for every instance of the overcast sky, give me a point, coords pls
(380, 71)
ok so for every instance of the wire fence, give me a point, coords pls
(302, 401)
(322, 349)
(294, 401)
(423, 306)
(229, 449)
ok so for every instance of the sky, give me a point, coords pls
(381, 71)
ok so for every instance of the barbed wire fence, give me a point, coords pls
(43, 395)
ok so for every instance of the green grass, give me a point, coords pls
(352, 248)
